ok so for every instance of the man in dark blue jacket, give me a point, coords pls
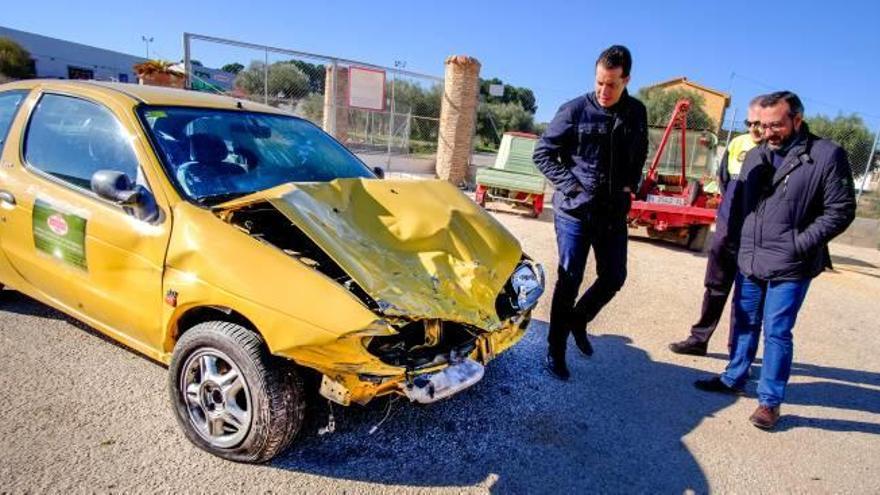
(794, 194)
(593, 152)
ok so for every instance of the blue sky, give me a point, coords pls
(825, 51)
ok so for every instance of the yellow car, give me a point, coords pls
(247, 249)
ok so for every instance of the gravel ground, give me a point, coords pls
(84, 415)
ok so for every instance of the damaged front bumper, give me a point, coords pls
(457, 364)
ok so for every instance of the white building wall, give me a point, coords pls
(53, 57)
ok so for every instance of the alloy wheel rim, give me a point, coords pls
(216, 397)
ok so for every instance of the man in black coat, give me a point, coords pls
(593, 152)
(794, 194)
(721, 262)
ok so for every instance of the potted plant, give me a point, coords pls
(159, 73)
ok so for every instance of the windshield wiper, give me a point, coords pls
(216, 199)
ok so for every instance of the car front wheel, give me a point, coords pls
(231, 396)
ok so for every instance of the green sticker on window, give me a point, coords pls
(156, 114)
(60, 235)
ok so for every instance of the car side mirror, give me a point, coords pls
(117, 187)
(379, 171)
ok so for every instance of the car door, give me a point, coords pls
(10, 102)
(85, 254)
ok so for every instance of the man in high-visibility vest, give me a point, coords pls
(721, 265)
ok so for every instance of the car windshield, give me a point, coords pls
(217, 155)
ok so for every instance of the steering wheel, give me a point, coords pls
(201, 179)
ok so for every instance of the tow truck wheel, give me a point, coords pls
(696, 239)
(231, 396)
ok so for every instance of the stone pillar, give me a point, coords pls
(336, 102)
(458, 115)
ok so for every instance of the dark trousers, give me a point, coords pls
(574, 237)
(720, 273)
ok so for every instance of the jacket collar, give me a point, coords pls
(798, 154)
(620, 106)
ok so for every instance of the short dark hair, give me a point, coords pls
(756, 101)
(616, 56)
(795, 107)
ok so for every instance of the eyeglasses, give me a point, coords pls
(773, 126)
(750, 123)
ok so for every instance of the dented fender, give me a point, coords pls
(211, 264)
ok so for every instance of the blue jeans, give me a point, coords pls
(574, 237)
(776, 304)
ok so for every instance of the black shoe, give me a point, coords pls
(689, 346)
(557, 367)
(715, 384)
(583, 343)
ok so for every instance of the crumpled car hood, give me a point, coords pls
(420, 248)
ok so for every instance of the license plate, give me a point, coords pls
(665, 200)
(437, 386)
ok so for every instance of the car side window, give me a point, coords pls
(71, 139)
(9, 103)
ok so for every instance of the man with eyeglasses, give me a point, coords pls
(593, 152)
(795, 193)
(721, 262)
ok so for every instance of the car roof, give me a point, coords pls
(150, 95)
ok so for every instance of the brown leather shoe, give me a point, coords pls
(765, 417)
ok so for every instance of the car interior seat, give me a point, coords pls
(207, 172)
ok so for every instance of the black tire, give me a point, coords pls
(272, 389)
(697, 237)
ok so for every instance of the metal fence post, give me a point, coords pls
(266, 78)
(187, 61)
(391, 122)
(868, 166)
(730, 131)
(334, 101)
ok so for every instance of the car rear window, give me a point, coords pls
(10, 101)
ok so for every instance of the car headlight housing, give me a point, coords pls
(528, 284)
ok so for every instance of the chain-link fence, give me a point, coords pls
(396, 126)
(864, 159)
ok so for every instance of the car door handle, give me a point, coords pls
(7, 197)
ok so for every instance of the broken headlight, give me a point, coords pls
(528, 284)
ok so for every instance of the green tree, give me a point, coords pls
(494, 119)
(15, 61)
(312, 108)
(512, 94)
(233, 68)
(848, 131)
(412, 98)
(315, 73)
(660, 104)
(286, 81)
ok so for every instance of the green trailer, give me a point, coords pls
(513, 178)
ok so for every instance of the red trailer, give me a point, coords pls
(671, 207)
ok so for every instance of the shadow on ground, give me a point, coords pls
(616, 426)
(836, 388)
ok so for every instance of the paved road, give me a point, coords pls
(81, 413)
